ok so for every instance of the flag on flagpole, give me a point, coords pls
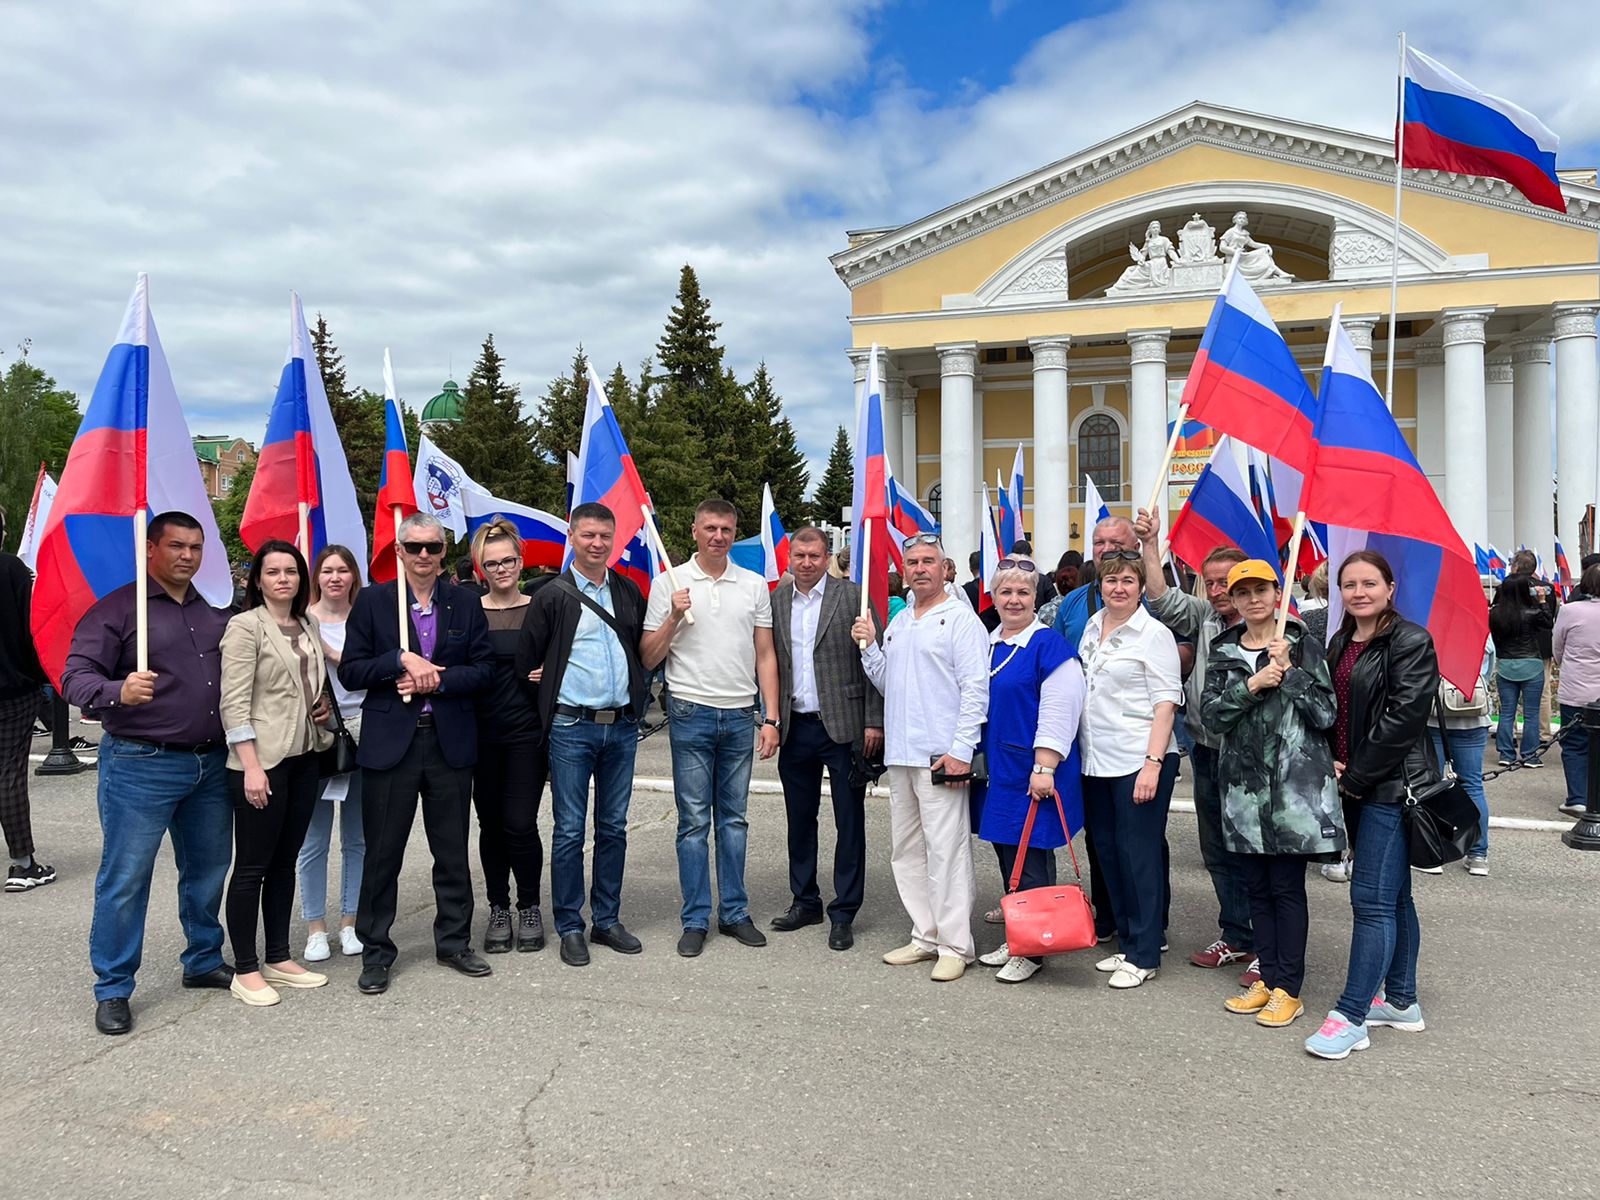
(870, 502)
(302, 461)
(1009, 495)
(1094, 511)
(1563, 572)
(395, 488)
(605, 474)
(1220, 512)
(1275, 488)
(988, 552)
(906, 515)
(44, 494)
(1497, 564)
(1449, 125)
(462, 505)
(774, 540)
(132, 452)
(572, 478)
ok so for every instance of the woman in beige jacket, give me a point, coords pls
(273, 674)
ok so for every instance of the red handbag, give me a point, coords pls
(1046, 920)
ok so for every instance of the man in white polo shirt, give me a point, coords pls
(714, 667)
(933, 671)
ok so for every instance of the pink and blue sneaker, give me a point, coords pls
(1337, 1038)
(1384, 1013)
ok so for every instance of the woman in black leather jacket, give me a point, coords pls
(1521, 627)
(1385, 675)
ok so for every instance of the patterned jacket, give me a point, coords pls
(1274, 763)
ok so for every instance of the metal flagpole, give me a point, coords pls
(1394, 248)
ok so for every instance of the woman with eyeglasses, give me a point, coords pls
(1030, 740)
(1130, 759)
(509, 779)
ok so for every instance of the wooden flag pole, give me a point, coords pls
(866, 566)
(1166, 461)
(400, 593)
(1288, 572)
(141, 584)
(305, 531)
(661, 549)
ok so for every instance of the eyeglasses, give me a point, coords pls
(1016, 564)
(920, 539)
(502, 564)
(418, 549)
(1121, 555)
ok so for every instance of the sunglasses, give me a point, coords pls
(420, 548)
(502, 564)
(1121, 555)
(920, 539)
(1015, 564)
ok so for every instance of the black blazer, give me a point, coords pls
(371, 661)
(551, 626)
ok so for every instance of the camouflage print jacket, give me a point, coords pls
(1274, 764)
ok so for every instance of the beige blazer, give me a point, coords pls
(263, 699)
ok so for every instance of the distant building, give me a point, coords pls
(443, 409)
(220, 460)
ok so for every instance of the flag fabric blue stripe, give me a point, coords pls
(121, 398)
(1249, 350)
(1345, 419)
(1472, 124)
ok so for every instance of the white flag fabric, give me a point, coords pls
(438, 481)
(1094, 511)
(44, 492)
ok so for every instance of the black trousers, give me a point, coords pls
(388, 807)
(507, 787)
(1276, 884)
(804, 756)
(16, 738)
(266, 843)
(1038, 869)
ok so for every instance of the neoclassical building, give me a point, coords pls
(1062, 310)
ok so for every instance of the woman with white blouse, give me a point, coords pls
(1130, 759)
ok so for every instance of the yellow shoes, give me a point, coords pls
(1281, 1009)
(909, 955)
(948, 969)
(1252, 1000)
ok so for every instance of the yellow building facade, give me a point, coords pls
(1062, 310)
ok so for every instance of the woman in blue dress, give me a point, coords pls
(1036, 696)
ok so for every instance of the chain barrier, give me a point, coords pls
(1574, 728)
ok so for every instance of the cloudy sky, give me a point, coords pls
(424, 174)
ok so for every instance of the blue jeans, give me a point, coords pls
(712, 750)
(1505, 737)
(146, 793)
(1226, 869)
(313, 864)
(1383, 942)
(1575, 754)
(580, 751)
(1464, 749)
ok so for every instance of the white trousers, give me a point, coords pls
(931, 831)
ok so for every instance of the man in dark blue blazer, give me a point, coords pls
(419, 736)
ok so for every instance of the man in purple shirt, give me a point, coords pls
(162, 759)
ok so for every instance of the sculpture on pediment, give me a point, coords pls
(1152, 264)
(1197, 242)
(1256, 263)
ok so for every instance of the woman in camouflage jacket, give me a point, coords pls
(1272, 701)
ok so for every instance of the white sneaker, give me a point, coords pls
(996, 958)
(1429, 870)
(1130, 976)
(317, 947)
(1108, 965)
(1338, 872)
(1017, 970)
(349, 943)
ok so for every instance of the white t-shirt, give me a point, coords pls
(1135, 669)
(713, 661)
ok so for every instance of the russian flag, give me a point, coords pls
(132, 452)
(462, 505)
(1275, 489)
(395, 490)
(1220, 512)
(870, 503)
(1366, 485)
(1449, 125)
(1094, 511)
(988, 552)
(1010, 497)
(767, 552)
(906, 515)
(1245, 381)
(1563, 572)
(605, 474)
(302, 461)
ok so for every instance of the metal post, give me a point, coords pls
(1585, 835)
(61, 760)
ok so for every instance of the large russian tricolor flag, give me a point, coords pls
(1449, 125)
(870, 503)
(133, 451)
(395, 489)
(1010, 497)
(1245, 380)
(302, 461)
(605, 474)
(1220, 512)
(906, 515)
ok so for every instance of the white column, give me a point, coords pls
(1533, 506)
(1052, 440)
(1466, 479)
(892, 390)
(859, 356)
(1429, 362)
(906, 469)
(1501, 436)
(1147, 410)
(978, 476)
(1360, 326)
(958, 364)
(1577, 418)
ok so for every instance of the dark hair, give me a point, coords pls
(1524, 562)
(1588, 560)
(591, 510)
(160, 523)
(1108, 566)
(349, 557)
(809, 533)
(716, 506)
(464, 568)
(252, 583)
(1513, 606)
(1373, 559)
(1070, 559)
(1022, 546)
(1589, 585)
(974, 561)
(1228, 554)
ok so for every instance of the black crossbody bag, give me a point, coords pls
(1442, 821)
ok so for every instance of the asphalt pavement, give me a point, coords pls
(793, 1070)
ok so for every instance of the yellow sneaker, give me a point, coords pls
(1252, 999)
(1280, 1010)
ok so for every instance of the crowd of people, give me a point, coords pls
(1071, 695)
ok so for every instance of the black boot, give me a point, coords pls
(497, 938)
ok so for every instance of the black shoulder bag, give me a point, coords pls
(339, 758)
(1442, 821)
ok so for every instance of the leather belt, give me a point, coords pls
(425, 721)
(173, 747)
(600, 716)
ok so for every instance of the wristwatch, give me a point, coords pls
(1150, 758)
(770, 721)
(1040, 769)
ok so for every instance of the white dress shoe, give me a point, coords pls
(264, 997)
(349, 943)
(1130, 976)
(996, 958)
(292, 979)
(1017, 970)
(1108, 965)
(317, 947)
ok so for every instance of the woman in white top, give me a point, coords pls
(1130, 759)
(335, 580)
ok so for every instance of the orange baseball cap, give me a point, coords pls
(1252, 568)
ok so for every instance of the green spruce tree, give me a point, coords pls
(836, 491)
(783, 466)
(494, 440)
(558, 429)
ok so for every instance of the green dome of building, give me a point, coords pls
(446, 406)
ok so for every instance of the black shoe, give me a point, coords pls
(530, 929)
(374, 980)
(841, 936)
(112, 1016)
(692, 942)
(217, 977)
(467, 963)
(497, 938)
(35, 874)
(745, 932)
(618, 938)
(574, 950)
(796, 918)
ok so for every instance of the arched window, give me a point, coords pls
(935, 498)
(1100, 455)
